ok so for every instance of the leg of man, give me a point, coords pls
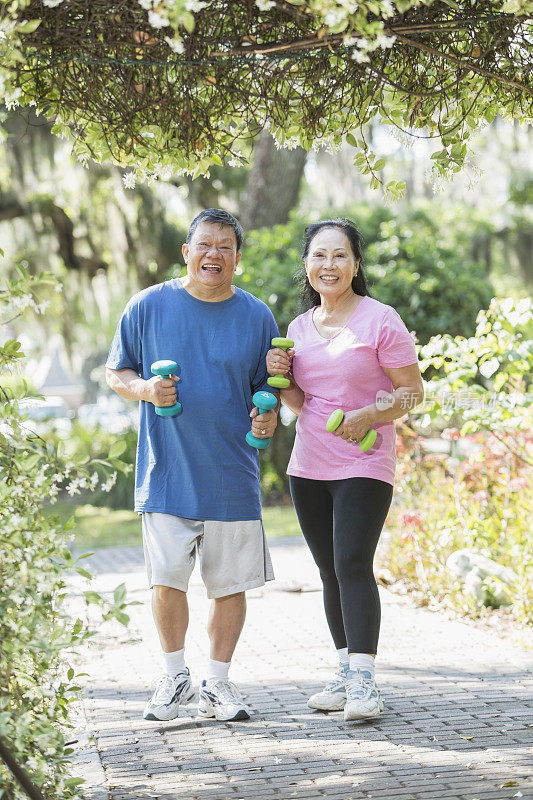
(169, 544)
(171, 616)
(233, 558)
(225, 624)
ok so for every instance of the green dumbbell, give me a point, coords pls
(264, 402)
(335, 420)
(165, 369)
(279, 381)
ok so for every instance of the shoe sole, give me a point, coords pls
(351, 716)
(208, 712)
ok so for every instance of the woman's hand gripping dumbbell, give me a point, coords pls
(338, 417)
(278, 362)
(262, 429)
(163, 389)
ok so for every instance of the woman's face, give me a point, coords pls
(330, 263)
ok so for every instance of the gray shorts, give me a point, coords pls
(233, 555)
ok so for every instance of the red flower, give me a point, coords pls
(411, 520)
(450, 434)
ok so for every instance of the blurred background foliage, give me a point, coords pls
(438, 256)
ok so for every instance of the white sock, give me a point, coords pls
(174, 662)
(362, 661)
(218, 670)
(343, 656)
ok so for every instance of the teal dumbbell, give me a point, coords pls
(165, 369)
(335, 420)
(264, 402)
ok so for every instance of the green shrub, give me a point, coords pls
(37, 635)
(482, 385)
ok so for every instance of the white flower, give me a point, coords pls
(156, 20)
(196, 5)
(146, 4)
(12, 99)
(72, 488)
(385, 41)
(387, 8)
(93, 479)
(129, 180)
(176, 45)
(59, 288)
(265, 5)
(110, 483)
(52, 3)
(41, 308)
(360, 57)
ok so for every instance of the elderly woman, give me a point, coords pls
(355, 354)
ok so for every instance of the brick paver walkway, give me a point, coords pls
(457, 724)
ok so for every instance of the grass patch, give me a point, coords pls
(107, 527)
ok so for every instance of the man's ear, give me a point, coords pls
(237, 258)
(185, 251)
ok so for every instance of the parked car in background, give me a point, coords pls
(109, 416)
(45, 414)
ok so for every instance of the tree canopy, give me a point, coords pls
(176, 86)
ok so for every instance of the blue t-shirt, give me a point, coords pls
(198, 464)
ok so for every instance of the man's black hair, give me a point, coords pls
(220, 216)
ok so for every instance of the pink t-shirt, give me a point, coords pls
(346, 372)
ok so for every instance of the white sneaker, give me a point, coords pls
(169, 694)
(363, 700)
(333, 696)
(221, 699)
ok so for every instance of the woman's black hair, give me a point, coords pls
(309, 296)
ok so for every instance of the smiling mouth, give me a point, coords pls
(212, 268)
(329, 278)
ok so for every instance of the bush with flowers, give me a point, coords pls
(477, 498)
(38, 636)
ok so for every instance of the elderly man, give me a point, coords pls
(197, 480)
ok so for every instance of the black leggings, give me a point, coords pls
(342, 521)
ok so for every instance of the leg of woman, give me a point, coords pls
(314, 508)
(360, 507)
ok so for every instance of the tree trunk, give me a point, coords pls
(273, 184)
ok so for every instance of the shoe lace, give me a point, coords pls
(359, 686)
(339, 679)
(227, 691)
(165, 687)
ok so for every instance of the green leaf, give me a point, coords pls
(119, 594)
(117, 448)
(29, 26)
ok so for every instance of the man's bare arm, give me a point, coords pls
(127, 384)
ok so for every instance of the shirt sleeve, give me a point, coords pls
(126, 350)
(396, 347)
(270, 330)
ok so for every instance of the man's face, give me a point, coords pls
(211, 256)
